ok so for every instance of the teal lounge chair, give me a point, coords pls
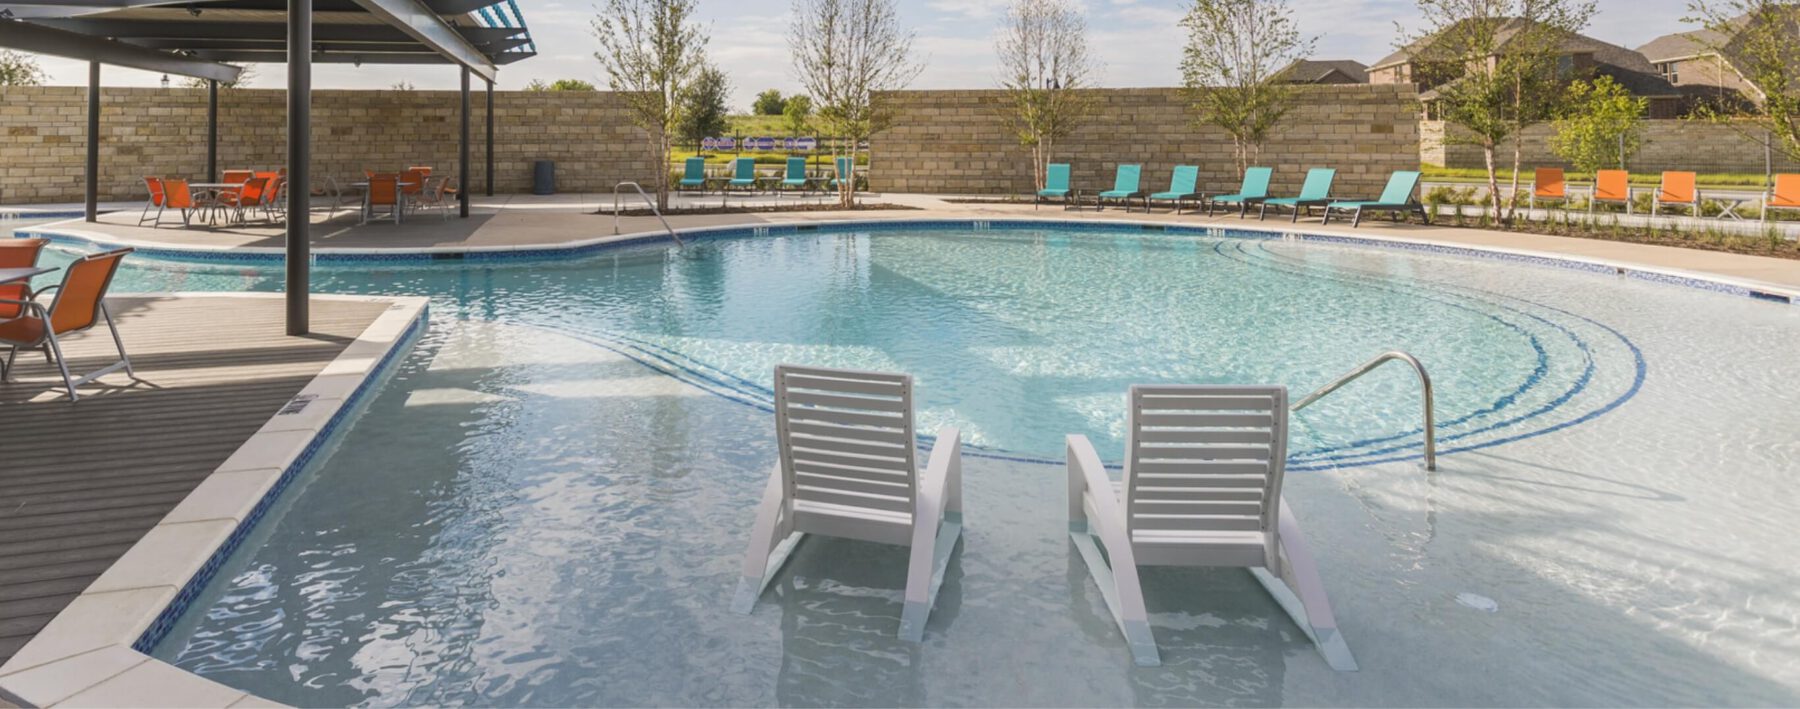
(1183, 186)
(1125, 188)
(795, 177)
(1254, 190)
(1315, 193)
(693, 175)
(1398, 197)
(1056, 185)
(843, 173)
(743, 174)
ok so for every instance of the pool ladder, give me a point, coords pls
(1424, 388)
(617, 190)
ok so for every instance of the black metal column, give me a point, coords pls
(488, 174)
(299, 162)
(462, 159)
(212, 130)
(93, 142)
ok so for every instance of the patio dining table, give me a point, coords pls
(400, 212)
(21, 275)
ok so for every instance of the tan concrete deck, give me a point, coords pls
(81, 483)
(523, 220)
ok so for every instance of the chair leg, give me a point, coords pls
(53, 350)
(1356, 219)
(118, 342)
(1297, 587)
(771, 541)
(7, 364)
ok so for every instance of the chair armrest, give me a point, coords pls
(940, 488)
(1087, 476)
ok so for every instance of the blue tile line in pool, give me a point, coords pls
(184, 599)
(711, 234)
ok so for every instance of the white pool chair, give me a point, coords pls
(1202, 487)
(847, 469)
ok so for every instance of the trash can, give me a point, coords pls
(543, 179)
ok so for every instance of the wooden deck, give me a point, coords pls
(80, 483)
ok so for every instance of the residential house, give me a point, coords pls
(1325, 71)
(1707, 66)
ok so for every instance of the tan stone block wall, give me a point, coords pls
(1668, 145)
(956, 141)
(147, 131)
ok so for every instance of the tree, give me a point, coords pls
(1602, 125)
(1231, 68)
(19, 69)
(1494, 66)
(769, 103)
(560, 85)
(1761, 39)
(246, 72)
(845, 51)
(1045, 66)
(703, 112)
(798, 115)
(652, 52)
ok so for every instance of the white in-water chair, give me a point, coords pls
(847, 469)
(1202, 487)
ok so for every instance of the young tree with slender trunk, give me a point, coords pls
(845, 51)
(1495, 67)
(652, 51)
(1231, 68)
(1760, 40)
(1602, 125)
(1045, 68)
(704, 114)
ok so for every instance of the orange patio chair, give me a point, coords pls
(17, 253)
(1611, 187)
(155, 185)
(80, 303)
(239, 199)
(415, 178)
(1550, 185)
(1678, 189)
(177, 196)
(384, 193)
(237, 177)
(1785, 195)
(271, 196)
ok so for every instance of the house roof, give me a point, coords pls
(1629, 68)
(1309, 71)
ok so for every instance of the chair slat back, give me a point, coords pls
(77, 303)
(155, 185)
(1056, 176)
(1185, 179)
(1679, 187)
(1256, 182)
(21, 253)
(1400, 187)
(1127, 178)
(743, 169)
(1318, 183)
(1787, 191)
(1612, 185)
(694, 169)
(384, 189)
(416, 176)
(236, 177)
(796, 169)
(846, 437)
(1206, 458)
(176, 195)
(1550, 183)
(252, 191)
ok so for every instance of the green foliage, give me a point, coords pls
(19, 69)
(560, 85)
(844, 52)
(1761, 41)
(1230, 67)
(769, 103)
(704, 113)
(1044, 65)
(797, 115)
(1602, 125)
(652, 52)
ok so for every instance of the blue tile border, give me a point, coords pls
(347, 412)
(705, 234)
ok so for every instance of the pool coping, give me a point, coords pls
(1700, 279)
(95, 651)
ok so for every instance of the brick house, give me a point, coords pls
(1704, 65)
(1325, 71)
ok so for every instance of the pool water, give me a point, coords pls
(547, 504)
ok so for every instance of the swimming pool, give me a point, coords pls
(547, 504)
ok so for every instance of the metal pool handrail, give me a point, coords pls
(1424, 387)
(647, 201)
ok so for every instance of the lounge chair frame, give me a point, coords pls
(1693, 203)
(1389, 202)
(1554, 176)
(1065, 194)
(1314, 192)
(50, 341)
(1253, 190)
(1128, 182)
(1775, 191)
(1183, 187)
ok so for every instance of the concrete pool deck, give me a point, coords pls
(520, 221)
(114, 504)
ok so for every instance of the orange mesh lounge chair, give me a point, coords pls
(271, 202)
(237, 177)
(1611, 187)
(1549, 186)
(178, 197)
(17, 253)
(1678, 189)
(416, 176)
(155, 185)
(80, 303)
(384, 193)
(1785, 195)
(240, 198)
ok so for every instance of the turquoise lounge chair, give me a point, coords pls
(843, 173)
(1125, 188)
(743, 174)
(795, 177)
(1254, 190)
(693, 175)
(1315, 193)
(1056, 185)
(1398, 197)
(1183, 186)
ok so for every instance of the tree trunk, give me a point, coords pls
(1512, 204)
(662, 173)
(1487, 152)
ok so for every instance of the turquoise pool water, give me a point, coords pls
(547, 504)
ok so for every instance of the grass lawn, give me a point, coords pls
(1705, 179)
(759, 126)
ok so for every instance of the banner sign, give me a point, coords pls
(759, 143)
(718, 144)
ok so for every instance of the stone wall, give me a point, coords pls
(146, 131)
(1667, 145)
(956, 142)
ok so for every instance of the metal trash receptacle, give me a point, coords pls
(543, 179)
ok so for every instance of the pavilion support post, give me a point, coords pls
(462, 156)
(212, 130)
(93, 142)
(299, 163)
(488, 174)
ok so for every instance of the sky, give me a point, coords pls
(1137, 41)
